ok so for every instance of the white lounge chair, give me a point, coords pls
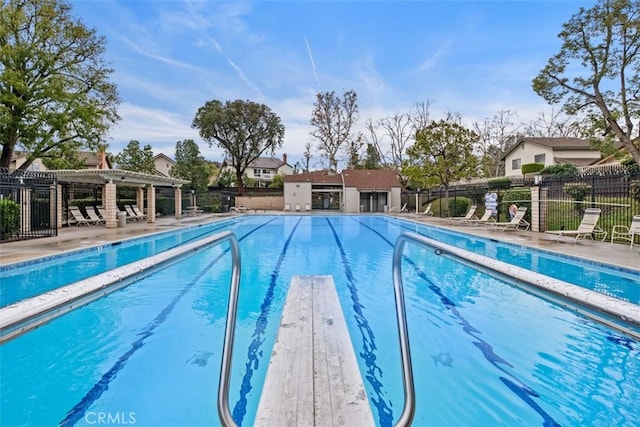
(93, 216)
(404, 208)
(587, 228)
(516, 222)
(138, 212)
(486, 218)
(77, 218)
(428, 210)
(629, 234)
(471, 214)
(131, 213)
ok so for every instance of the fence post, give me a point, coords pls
(25, 210)
(535, 208)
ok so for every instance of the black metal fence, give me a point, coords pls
(27, 205)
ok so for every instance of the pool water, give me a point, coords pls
(484, 353)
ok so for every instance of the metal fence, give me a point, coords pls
(28, 206)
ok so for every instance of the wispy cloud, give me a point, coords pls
(435, 57)
(313, 64)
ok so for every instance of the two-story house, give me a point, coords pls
(163, 164)
(262, 169)
(548, 151)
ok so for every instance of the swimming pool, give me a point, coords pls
(483, 352)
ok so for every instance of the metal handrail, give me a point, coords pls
(535, 283)
(409, 407)
(227, 351)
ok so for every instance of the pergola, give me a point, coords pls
(112, 178)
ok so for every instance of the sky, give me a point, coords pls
(170, 57)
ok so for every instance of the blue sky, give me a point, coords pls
(470, 57)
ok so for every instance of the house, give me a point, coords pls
(163, 164)
(351, 191)
(548, 151)
(262, 169)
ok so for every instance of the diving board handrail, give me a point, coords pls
(224, 411)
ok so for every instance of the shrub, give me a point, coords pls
(532, 168)
(499, 184)
(516, 195)
(458, 206)
(561, 169)
(9, 219)
(579, 193)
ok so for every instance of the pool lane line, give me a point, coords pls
(523, 390)
(385, 413)
(78, 411)
(254, 353)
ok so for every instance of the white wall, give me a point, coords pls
(297, 192)
(351, 200)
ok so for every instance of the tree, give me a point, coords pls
(597, 68)
(190, 165)
(243, 129)
(372, 158)
(277, 181)
(307, 156)
(132, 158)
(55, 93)
(494, 138)
(553, 125)
(333, 118)
(354, 148)
(443, 152)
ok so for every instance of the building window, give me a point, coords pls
(515, 164)
(266, 172)
(539, 158)
(256, 172)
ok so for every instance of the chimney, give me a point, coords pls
(284, 158)
(103, 159)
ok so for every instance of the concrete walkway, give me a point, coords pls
(70, 238)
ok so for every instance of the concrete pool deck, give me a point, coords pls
(70, 238)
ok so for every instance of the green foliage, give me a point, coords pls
(516, 195)
(226, 178)
(134, 159)
(9, 219)
(632, 169)
(634, 190)
(71, 161)
(243, 129)
(595, 73)
(190, 165)
(532, 168)
(443, 151)
(459, 206)
(277, 181)
(372, 158)
(499, 184)
(560, 170)
(579, 193)
(55, 93)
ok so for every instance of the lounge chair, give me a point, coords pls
(471, 214)
(622, 232)
(102, 212)
(77, 217)
(93, 216)
(131, 213)
(404, 208)
(486, 218)
(287, 207)
(516, 222)
(587, 228)
(428, 210)
(138, 212)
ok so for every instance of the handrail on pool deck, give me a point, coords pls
(224, 412)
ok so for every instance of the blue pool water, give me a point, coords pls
(484, 353)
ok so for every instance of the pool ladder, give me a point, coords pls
(407, 371)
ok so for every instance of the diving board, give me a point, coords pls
(313, 378)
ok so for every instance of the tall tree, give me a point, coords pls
(190, 165)
(354, 155)
(372, 158)
(333, 118)
(243, 129)
(553, 125)
(136, 159)
(598, 68)
(494, 138)
(307, 156)
(55, 93)
(442, 153)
